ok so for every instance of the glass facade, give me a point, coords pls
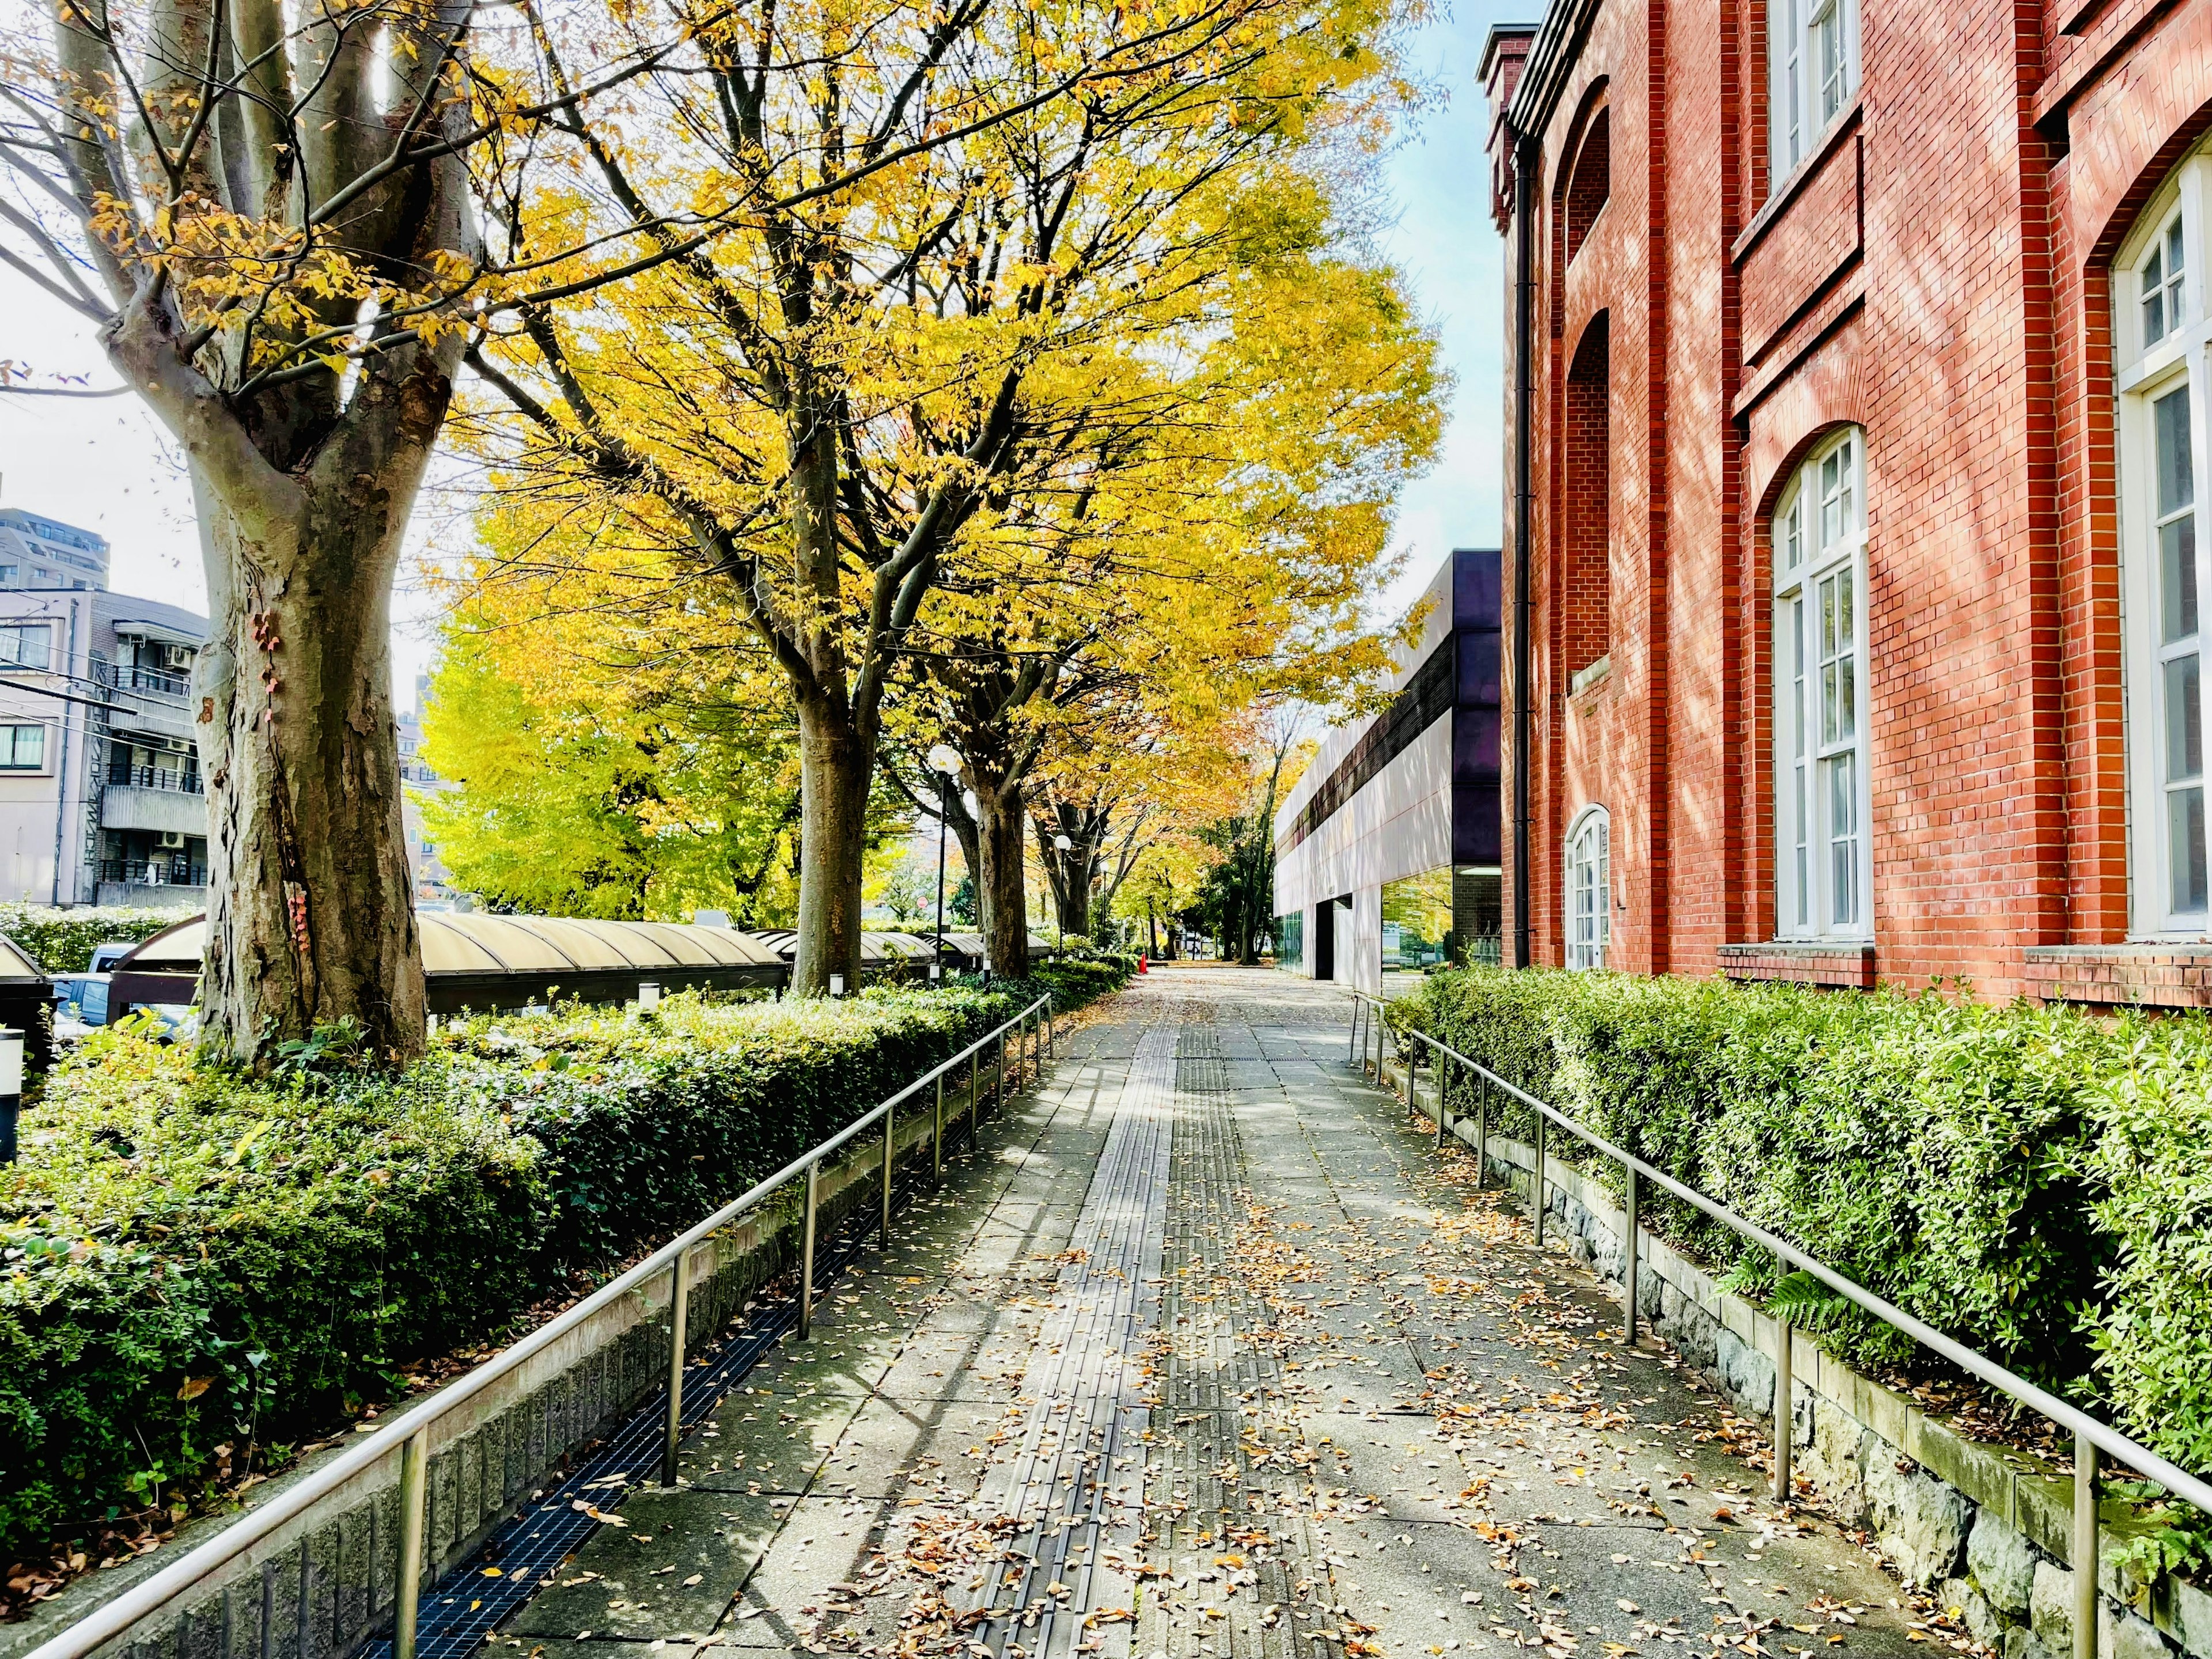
(1448, 917)
(1290, 942)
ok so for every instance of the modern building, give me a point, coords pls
(1387, 848)
(1856, 421)
(101, 799)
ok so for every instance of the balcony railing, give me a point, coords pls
(143, 679)
(177, 872)
(155, 777)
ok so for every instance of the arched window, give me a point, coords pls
(1813, 69)
(1589, 888)
(1591, 182)
(1588, 601)
(2161, 340)
(1822, 860)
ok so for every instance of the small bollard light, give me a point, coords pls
(11, 1089)
(648, 996)
(936, 972)
(837, 985)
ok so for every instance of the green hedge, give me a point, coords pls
(2032, 1181)
(63, 941)
(190, 1260)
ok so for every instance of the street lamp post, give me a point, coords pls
(945, 763)
(1060, 845)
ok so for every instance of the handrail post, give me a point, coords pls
(1352, 1041)
(1537, 1187)
(974, 1073)
(1628, 1255)
(998, 1077)
(806, 1251)
(1481, 1130)
(937, 1141)
(1784, 1363)
(414, 1495)
(679, 1300)
(2085, 1548)
(1443, 1089)
(1051, 1043)
(890, 1145)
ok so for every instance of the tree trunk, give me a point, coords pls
(836, 766)
(1003, 821)
(311, 914)
(311, 918)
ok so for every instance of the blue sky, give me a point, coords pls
(1454, 262)
(103, 464)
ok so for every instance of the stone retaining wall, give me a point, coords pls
(1988, 1527)
(321, 1585)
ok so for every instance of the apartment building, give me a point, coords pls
(100, 799)
(1855, 424)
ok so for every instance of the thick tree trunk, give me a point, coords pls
(836, 767)
(312, 910)
(1002, 821)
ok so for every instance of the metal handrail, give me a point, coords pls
(2090, 1435)
(409, 1433)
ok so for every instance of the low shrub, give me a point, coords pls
(62, 940)
(1944, 1153)
(192, 1262)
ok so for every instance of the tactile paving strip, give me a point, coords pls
(1085, 1374)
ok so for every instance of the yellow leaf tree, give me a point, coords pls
(879, 390)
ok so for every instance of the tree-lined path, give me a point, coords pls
(1206, 1353)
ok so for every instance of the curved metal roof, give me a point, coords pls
(479, 944)
(15, 961)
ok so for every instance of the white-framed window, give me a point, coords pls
(2160, 375)
(26, 645)
(23, 748)
(1589, 888)
(1813, 69)
(1823, 859)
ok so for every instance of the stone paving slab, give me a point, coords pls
(1315, 1399)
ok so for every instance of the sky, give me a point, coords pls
(106, 465)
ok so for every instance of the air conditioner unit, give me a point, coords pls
(173, 840)
(177, 657)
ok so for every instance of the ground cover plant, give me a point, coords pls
(2031, 1181)
(199, 1269)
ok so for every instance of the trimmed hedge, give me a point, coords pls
(63, 941)
(2032, 1181)
(192, 1261)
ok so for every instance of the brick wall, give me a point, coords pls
(1936, 272)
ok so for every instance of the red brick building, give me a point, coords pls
(1862, 349)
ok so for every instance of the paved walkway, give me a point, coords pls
(1207, 1354)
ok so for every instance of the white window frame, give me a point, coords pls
(11, 655)
(1811, 75)
(8, 746)
(1823, 795)
(1586, 875)
(2167, 855)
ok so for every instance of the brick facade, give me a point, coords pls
(1934, 271)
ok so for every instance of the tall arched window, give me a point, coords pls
(1588, 601)
(1591, 183)
(2160, 341)
(1823, 864)
(1589, 888)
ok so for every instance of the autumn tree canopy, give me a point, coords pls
(921, 386)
